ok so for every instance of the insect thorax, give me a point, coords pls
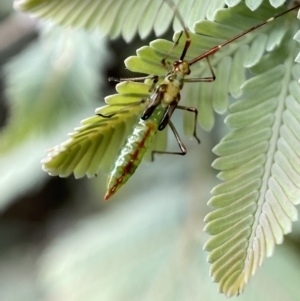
(173, 83)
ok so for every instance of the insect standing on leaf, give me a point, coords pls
(161, 105)
(163, 100)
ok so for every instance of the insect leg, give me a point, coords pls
(180, 144)
(195, 111)
(154, 79)
(209, 79)
(133, 79)
(128, 105)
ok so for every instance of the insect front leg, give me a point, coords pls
(180, 144)
(128, 105)
(209, 79)
(133, 79)
(154, 79)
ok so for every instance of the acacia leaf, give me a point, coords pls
(261, 183)
(259, 163)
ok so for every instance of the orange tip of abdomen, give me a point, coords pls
(107, 196)
(110, 192)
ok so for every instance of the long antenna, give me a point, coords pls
(218, 47)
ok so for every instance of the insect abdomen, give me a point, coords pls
(131, 155)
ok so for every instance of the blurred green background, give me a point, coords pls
(58, 239)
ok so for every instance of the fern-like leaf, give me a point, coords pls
(259, 163)
(125, 17)
(228, 64)
(255, 204)
(121, 17)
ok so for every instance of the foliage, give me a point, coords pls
(42, 90)
(122, 17)
(125, 17)
(258, 159)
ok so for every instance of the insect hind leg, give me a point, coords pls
(195, 111)
(182, 147)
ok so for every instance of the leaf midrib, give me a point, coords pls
(288, 63)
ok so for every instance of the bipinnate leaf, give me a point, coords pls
(260, 169)
(255, 205)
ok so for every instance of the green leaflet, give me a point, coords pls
(259, 159)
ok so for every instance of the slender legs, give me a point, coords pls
(182, 147)
(208, 79)
(195, 111)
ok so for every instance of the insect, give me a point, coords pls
(163, 100)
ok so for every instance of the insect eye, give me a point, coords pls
(176, 63)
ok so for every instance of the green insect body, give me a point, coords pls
(165, 97)
(133, 152)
